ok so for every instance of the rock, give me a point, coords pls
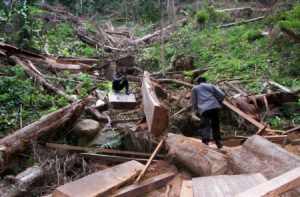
(87, 127)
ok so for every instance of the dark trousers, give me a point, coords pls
(119, 85)
(210, 120)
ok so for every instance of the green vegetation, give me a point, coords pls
(21, 99)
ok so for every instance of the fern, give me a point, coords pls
(112, 141)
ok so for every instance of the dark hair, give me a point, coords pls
(201, 80)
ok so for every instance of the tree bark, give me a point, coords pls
(158, 32)
(194, 155)
(22, 181)
(32, 71)
(21, 138)
(242, 22)
(258, 155)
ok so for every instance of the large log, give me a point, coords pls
(156, 114)
(194, 155)
(258, 155)
(242, 22)
(20, 139)
(22, 181)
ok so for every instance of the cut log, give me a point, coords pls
(197, 157)
(99, 183)
(242, 22)
(225, 185)
(22, 181)
(122, 101)
(21, 138)
(37, 76)
(258, 155)
(145, 186)
(275, 186)
(156, 114)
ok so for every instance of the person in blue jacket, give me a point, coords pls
(207, 99)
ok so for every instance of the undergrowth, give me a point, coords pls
(21, 101)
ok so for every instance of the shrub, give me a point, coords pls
(201, 17)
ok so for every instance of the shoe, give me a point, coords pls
(219, 144)
(127, 92)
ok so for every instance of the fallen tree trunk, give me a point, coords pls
(27, 65)
(158, 32)
(21, 138)
(95, 44)
(22, 181)
(54, 64)
(11, 50)
(291, 34)
(194, 155)
(258, 155)
(242, 22)
(156, 114)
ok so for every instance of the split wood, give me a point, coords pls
(150, 159)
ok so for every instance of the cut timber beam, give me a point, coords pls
(156, 114)
(225, 185)
(21, 138)
(111, 158)
(122, 101)
(99, 183)
(101, 150)
(247, 117)
(275, 186)
(145, 186)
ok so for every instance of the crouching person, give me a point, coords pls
(120, 81)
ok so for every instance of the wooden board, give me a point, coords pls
(145, 186)
(97, 184)
(122, 101)
(224, 185)
(187, 189)
(101, 150)
(111, 158)
(156, 114)
(275, 186)
(247, 117)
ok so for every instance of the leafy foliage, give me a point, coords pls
(201, 17)
(16, 93)
(113, 141)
